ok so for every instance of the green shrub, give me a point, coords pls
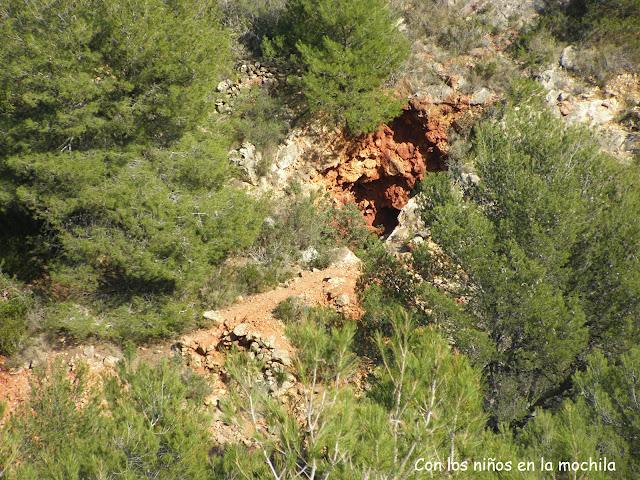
(422, 401)
(290, 310)
(15, 304)
(536, 48)
(116, 203)
(443, 24)
(259, 117)
(519, 239)
(606, 35)
(252, 20)
(297, 223)
(532, 269)
(601, 421)
(145, 421)
(93, 74)
(347, 50)
(133, 230)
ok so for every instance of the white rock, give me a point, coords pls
(336, 281)
(247, 158)
(469, 179)
(281, 356)
(568, 57)
(437, 93)
(224, 85)
(110, 361)
(592, 112)
(269, 342)
(343, 300)
(241, 329)
(481, 97)
(345, 258)
(309, 255)
(409, 224)
(213, 316)
(287, 154)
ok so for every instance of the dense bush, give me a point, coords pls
(536, 47)
(133, 228)
(602, 420)
(424, 401)
(112, 200)
(347, 50)
(259, 117)
(442, 23)
(15, 303)
(93, 74)
(144, 422)
(534, 263)
(252, 20)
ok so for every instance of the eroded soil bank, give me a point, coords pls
(378, 171)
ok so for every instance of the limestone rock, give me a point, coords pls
(594, 112)
(437, 93)
(481, 97)
(343, 257)
(214, 317)
(343, 300)
(89, 351)
(335, 281)
(568, 57)
(241, 330)
(409, 224)
(287, 154)
(248, 159)
(281, 356)
(224, 85)
(309, 255)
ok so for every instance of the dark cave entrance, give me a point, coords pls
(405, 141)
(387, 219)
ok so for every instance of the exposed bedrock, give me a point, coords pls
(379, 170)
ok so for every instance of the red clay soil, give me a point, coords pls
(380, 169)
(14, 385)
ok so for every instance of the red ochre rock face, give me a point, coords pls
(380, 169)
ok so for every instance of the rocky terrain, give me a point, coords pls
(444, 93)
(377, 172)
(247, 325)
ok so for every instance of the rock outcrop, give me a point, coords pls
(601, 108)
(378, 171)
(379, 174)
(243, 336)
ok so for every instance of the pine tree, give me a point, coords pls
(348, 49)
(537, 255)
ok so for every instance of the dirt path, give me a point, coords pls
(334, 285)
(330, 286)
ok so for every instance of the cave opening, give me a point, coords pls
(404, 155)
(412, 127)
(386, 219)
(380, 170)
